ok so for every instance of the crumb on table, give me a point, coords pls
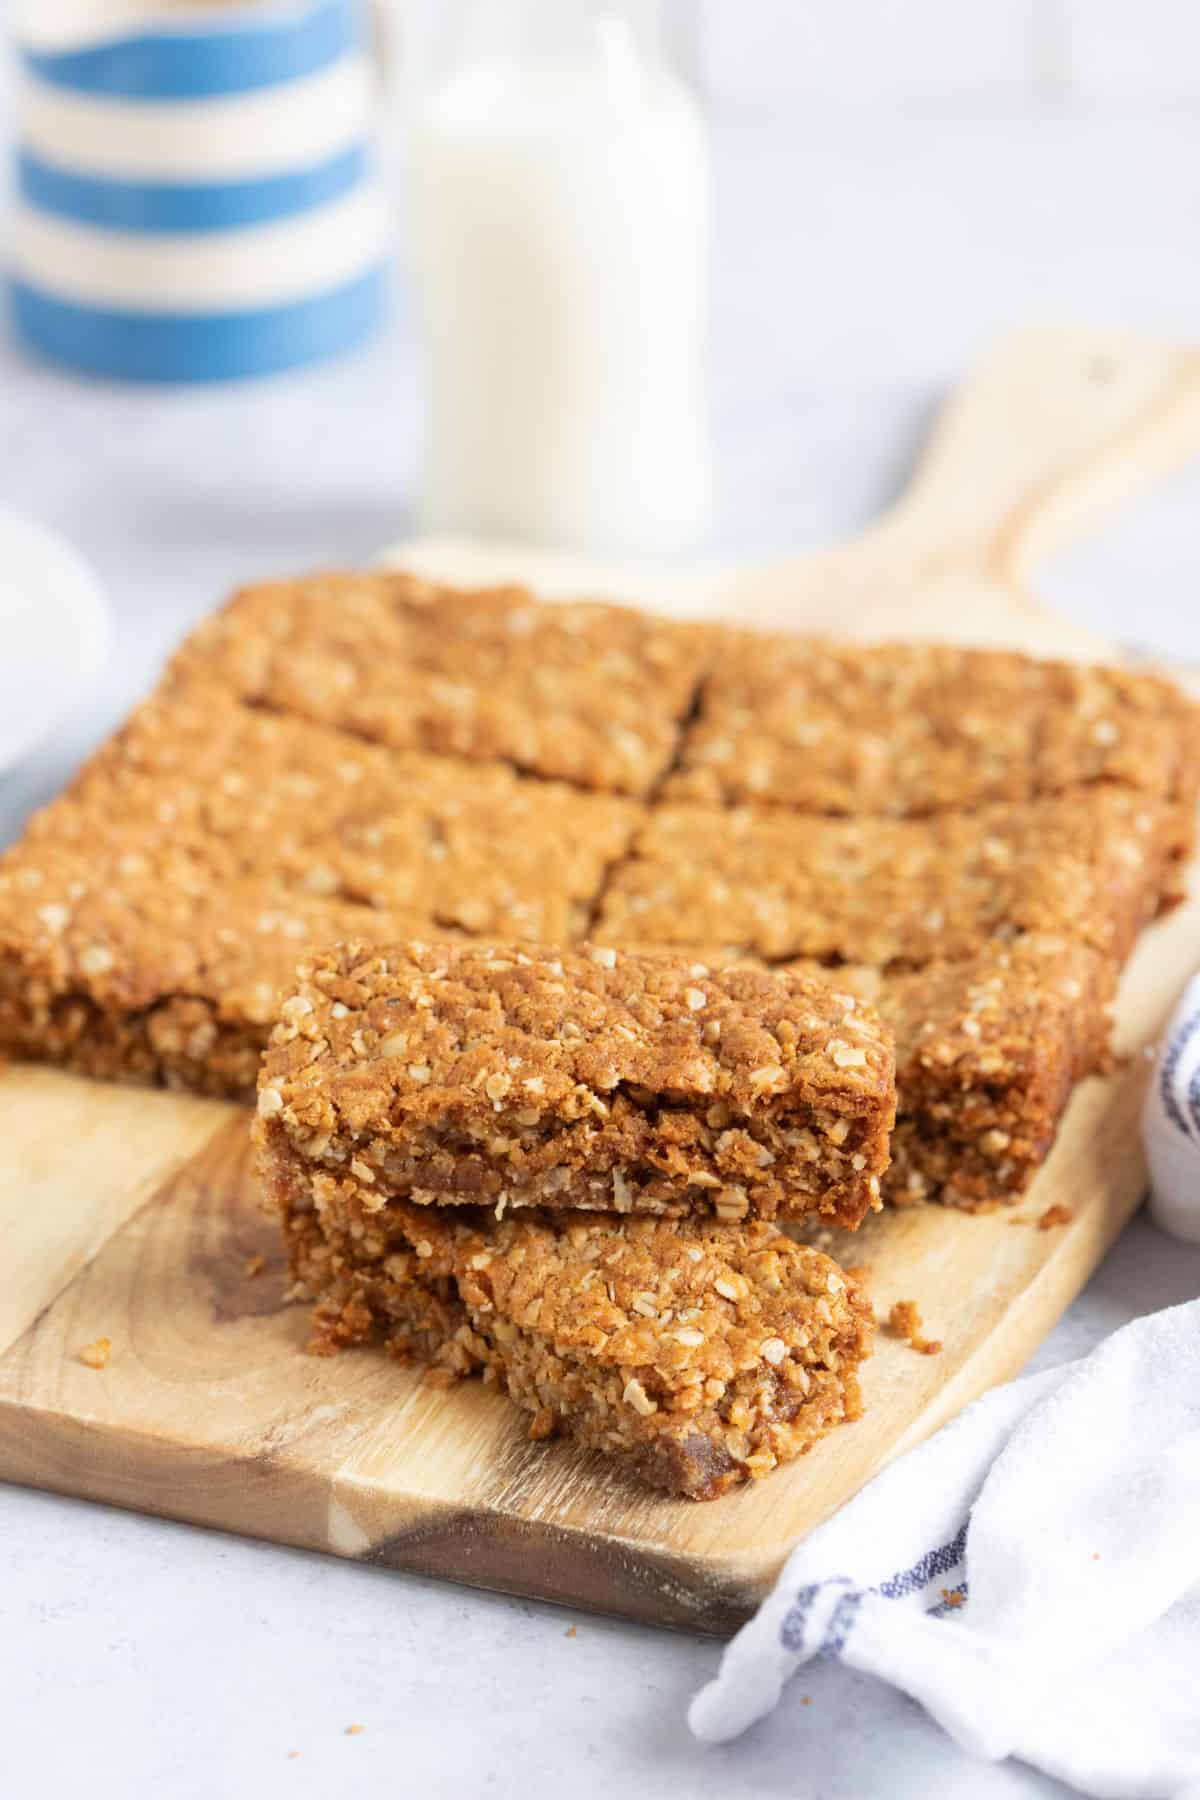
(96, 1354)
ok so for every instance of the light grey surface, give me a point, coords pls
(861, 259)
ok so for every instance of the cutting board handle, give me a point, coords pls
(1049, 431)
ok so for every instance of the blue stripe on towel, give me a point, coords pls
(198, 58)
(146, 346)
(191, 206)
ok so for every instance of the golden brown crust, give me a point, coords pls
(908, 729)
(699, 1354)
(1094, 864)
(465, 846)
(151, 916)
(988, 1052)
(588, 693)
(150, 964)
(597, 1078)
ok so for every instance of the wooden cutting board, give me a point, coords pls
(131, 1216)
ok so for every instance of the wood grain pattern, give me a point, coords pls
(73, 1173)
(135, 1218)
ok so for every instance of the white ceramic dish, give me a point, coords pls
(55, 634)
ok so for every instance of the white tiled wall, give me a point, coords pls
(1133, 48)
(756, 51)
(766, 52)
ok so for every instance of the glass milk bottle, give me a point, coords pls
(557, 199)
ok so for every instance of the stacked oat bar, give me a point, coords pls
(476, 1152)
(758, 839)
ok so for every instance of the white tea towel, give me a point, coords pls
(1171, 1122)
(1031, 1575)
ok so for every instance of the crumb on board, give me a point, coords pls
(572, 1631)
(542, 1424)
(96, 1354)
(1095, 1556)
(353, 1730)
(1055, 1215)
(953, 1596)
(806, 1699)
(292, 1755)
(904, 1321)
(254, 1265)
(436, 1378)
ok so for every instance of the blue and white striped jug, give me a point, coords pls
(195, 197)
